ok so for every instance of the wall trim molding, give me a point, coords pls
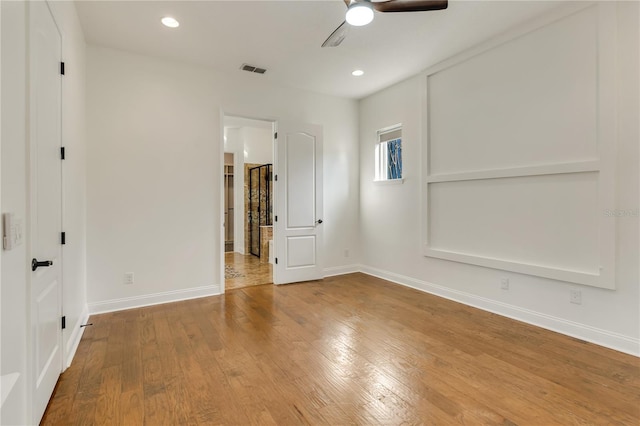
(615, 341)
(341, 270)
(523, 171)
(76, 336)
(153, 299)
(553, 273)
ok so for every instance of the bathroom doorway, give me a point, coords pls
(248, 202)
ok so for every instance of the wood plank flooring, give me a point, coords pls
(347, 350)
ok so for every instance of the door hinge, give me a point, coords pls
(275, 135)
(276, 259)
(64, 322)
(62, 153)
(276, 178)
(276, 218)
(63, 238)
(62, 68)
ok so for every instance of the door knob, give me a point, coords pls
(35, 264)
(319, 221)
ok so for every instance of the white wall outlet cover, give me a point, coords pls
(504, 283)
(575, 297)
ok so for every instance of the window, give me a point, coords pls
(389, 154)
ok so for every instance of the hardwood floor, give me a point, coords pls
(249, 269)
(347, 350)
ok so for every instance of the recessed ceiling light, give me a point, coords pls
(357, 73)
(170, 22)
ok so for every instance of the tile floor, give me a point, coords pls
(246, 271)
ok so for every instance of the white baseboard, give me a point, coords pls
(595, 335)
(340, 270)
(76, 336)
(153, 299)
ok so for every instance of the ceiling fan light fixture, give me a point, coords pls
(170, 22)
(359, 14)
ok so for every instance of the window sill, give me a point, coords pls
(389, 182)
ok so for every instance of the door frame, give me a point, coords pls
(31, 170)
(220, 211)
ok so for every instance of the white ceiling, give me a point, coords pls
(285, 37)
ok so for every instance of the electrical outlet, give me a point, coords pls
(128, 278)
(575, 296)
(504, 283)
(346, 252)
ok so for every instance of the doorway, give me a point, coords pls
(248, 202)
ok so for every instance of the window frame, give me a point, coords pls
(380, 164)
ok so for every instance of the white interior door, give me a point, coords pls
(298, 228)
(46, 205)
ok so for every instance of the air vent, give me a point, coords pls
(251, 68)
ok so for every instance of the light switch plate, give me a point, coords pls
(12, 234)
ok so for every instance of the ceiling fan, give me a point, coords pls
(360, 12)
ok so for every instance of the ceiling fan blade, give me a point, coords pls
(337, 36)
(409, 5)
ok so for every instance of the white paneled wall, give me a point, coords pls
(528, 99)
(534, 220)
(513, 153)
(521, 133)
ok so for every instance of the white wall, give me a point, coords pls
(258, 144)
(391, 222)
(154, 169)
(15, 270)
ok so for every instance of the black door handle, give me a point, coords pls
(319, 221)
(35, 264)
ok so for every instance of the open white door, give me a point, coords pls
(298, 213)
(46, 205)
